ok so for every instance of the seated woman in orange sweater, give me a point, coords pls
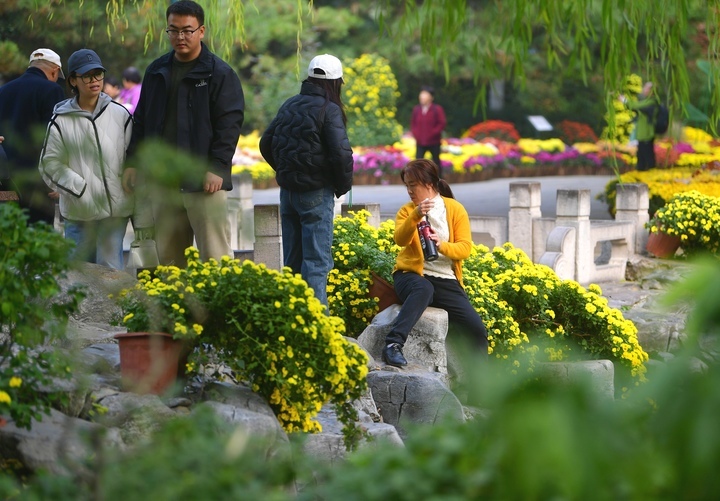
(420, 283)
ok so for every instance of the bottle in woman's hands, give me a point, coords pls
(430, 252)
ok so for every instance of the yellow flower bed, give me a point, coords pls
(665, 183)
(531, 314)
(534, 146)
(266, 325)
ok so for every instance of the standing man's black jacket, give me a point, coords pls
(307, 144)
(211, 109)
(26, 105)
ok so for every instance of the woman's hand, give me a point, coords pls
(435, 238)
(425, 206)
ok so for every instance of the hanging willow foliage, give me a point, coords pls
(644, 34)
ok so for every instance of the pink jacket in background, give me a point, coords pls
(130, 97)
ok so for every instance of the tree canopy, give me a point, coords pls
(557, 46)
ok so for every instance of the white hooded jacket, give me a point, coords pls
(82, 158)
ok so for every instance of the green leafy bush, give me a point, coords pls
(369, 95)
(268, 327)
(357, 249)
(531, 314)
(694, 218)
(539, 441)
(191, 458)
(32, 259)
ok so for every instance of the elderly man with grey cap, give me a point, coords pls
(83, 157)
(26, 105)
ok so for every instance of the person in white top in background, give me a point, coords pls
(82, 159)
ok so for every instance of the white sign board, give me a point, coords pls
(540, 123)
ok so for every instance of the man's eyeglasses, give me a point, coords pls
(92, 77)
(173, 33)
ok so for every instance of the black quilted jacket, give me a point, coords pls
(307, 144)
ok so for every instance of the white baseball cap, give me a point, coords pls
(330, 65)
(47, 55)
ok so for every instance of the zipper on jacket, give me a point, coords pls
(102, 166)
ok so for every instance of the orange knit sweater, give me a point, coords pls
(457, 248)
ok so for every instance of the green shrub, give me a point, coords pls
(531, 314)
(539, 441)
(268, 326)
(190, 458)
(369, 95)
(32, 259)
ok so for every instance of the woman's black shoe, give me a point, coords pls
(392, 355)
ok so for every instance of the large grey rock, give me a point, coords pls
(658, 332)
(329, 444)
(101, 358)
(255, 424)
(599, 374)
(99, 282)
(137, 416)
(425, 346)
(81, 334)
(415, 397)
(365, 405)
(661, 328)
(57, 444)
(238, 395)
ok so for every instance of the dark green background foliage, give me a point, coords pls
(557, 77)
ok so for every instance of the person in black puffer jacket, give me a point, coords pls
(307, 146)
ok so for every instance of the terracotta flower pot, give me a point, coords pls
(383, 290)
(662, 245)
(150, 362)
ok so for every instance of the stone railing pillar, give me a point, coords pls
(631, 204)
(524, 207)
(373, 209)
(240, 212)
(573, 210)
(268, 236)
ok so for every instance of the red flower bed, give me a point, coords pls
(665, 157)
(505, 131)
(576, 132)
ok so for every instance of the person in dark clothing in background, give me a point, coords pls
(26, 105)
(191, 99)
(307, 146)
(427, 124)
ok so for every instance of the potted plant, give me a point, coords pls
(163, 318)
(266, 325)
(690, 220)
(361, 252)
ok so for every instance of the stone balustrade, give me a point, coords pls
(572, 244)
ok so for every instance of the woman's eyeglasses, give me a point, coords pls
(92, 77)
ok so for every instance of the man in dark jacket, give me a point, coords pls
(427, 124)
(26, 105)
(307, 145)
(192, 99)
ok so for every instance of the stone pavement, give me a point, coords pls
(485, 198)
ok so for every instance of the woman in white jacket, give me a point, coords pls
(82, 159)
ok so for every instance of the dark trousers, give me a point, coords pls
(418, 292)
(646, 155)
(434, 151)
